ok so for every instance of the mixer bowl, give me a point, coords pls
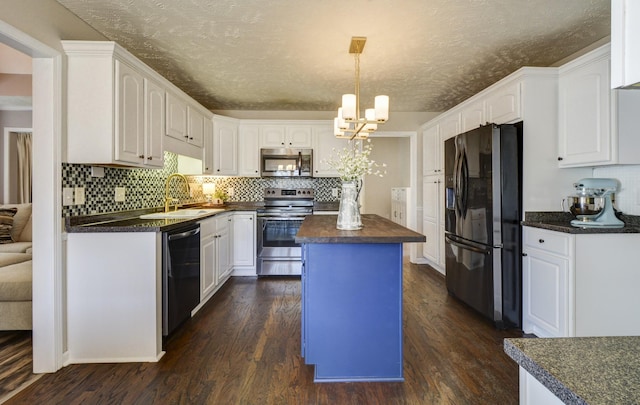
(585, 206)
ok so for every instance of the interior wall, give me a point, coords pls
(398, 121)
(395, 153)
(10, 119)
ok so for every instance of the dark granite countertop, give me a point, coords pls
(585, 370)
(322, 229)
(561, 222)
(130, 221)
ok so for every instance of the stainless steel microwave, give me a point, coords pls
(286, 162)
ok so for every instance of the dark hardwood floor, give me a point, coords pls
(15, 361)
(243, 347)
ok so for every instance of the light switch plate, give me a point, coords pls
(230, 191)
(79, 198)
(120, 194)
(67, 196)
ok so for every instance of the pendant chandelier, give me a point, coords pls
(349, 124)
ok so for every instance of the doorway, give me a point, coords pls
(47, 266)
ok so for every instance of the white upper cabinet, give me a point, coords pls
(597, 126)
(154, 123)
(129, 114)
(472, 116)
(431, 147)
(625, 46)
(116, 100)
(285, 136)
(225, 146)
(176, 117)
(324, 144)
(249, 150)
(502, 105)
(195, 129)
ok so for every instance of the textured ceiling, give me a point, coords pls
(427, 55)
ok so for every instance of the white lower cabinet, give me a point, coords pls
(244, 243)
(580, 284)
(432, 224)
(215, 254)
(532, 392)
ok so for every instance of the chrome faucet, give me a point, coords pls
(167, 198)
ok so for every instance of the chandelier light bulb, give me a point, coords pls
(382, 108)
(349, 106)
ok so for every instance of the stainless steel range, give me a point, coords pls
(279, 221)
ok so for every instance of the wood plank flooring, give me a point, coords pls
(243, 347)
(16, 363)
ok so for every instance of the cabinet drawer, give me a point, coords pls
(207, 227)
(548, 241)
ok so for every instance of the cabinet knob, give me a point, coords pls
(541, 240)
(141, 156)
(206, 168)
(186, 136)
(218, 170)
(560, 158)
(150, 158)
(524, 254)
(191, 138)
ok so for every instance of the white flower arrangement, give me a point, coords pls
(353, 162)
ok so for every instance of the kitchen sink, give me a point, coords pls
(182, 214)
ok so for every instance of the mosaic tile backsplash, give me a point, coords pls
(145, 187)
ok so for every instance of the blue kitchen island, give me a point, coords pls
(352, 298)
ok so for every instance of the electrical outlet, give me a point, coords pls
(67, 196)
(334, 192)
(78, 196)
(230, 191)
(120, 193)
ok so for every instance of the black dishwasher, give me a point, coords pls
(180, 275)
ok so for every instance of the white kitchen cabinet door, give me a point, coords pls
(584, 112)
(325, 146)
(431, 151)
(449, 127)
(208, 259)
(176, 125)
(298, 136)
(472, 116)
(225, 145)
(285, 136)
(625, 47)
(129, 114)
(223, 233)
(208, 150)
(545, 294)
(272, 136)
(431, 198)
(597, 126)
(195, 129)
(503, 104)
(154, 123)
(430, 248)
(249, 147)
(244, 240)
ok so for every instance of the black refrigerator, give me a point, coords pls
(483, 209)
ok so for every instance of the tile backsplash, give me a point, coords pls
(628, 198)
(145, 187)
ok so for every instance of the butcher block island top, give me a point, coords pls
(375, 229)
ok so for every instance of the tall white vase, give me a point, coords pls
(349, 213)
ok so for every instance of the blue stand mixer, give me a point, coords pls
(593, 203)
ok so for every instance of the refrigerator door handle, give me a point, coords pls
(470, 245)
(464, 177)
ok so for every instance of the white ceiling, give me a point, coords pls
(427, 55)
